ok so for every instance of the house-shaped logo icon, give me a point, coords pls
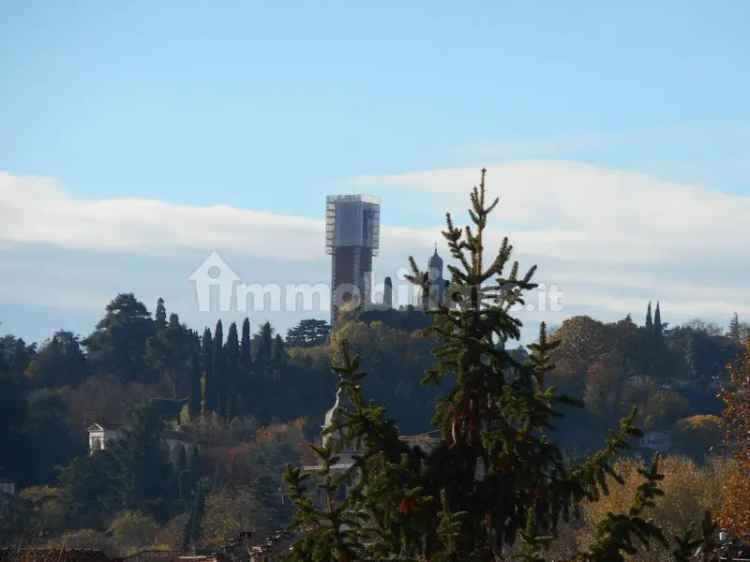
(214, 272)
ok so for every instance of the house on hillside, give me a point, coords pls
(101, 435)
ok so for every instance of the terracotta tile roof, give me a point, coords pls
(52, 555)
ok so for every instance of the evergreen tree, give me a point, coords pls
(218, 371)
(15, 354)
(13, 415)
(308, 333)
(208, 390)
(90, 489)
(246, 381)
(118, 345)
(261, 385)
(50, 441)
(278, 357)
(246, 358)
(182, 473)
(649, 322)
(658, 329)
(232, 369)
(59, 362)
(191, 534)
(735, 331)
(264, 349)
(144, 473)
(195, 384)
(194, 466)
(160, 316)
(495, 476)
(168, 353)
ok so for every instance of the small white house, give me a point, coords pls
(100, 436)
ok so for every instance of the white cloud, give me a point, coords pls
(571, 210)
(536, 147)
(610, 240)
(38, 210)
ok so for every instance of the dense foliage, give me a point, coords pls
(736, 513)
(495, 477)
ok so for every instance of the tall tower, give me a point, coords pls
(352, 239)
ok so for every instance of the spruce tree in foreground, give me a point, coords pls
(496, 479)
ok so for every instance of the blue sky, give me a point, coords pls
(269, 106)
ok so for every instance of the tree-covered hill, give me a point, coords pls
(252, 399)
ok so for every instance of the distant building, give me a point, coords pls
(352, 239)
(102, 435)
(438, 285)
(435, 294)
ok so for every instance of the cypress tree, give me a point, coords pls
(245, 349)
(265, 349)
(262, 384)
(219, 372)
(232, 369)
(192, 531)
(160, 317)
(209, 380)
(181, 461)
(649, 322)
(245, 378)
(194, 464)
(182, 472)
(657, 321)
(735, 332)
(195, 385)
(278, 357)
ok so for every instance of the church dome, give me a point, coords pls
(436, 262)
